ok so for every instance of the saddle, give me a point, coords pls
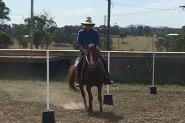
(83, 66)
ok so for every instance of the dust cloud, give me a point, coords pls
(72, 105)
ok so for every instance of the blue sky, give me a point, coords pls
(73, 12)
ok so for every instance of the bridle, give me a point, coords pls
(91, 62)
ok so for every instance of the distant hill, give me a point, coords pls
(145, 25)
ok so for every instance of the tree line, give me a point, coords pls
(46, 32)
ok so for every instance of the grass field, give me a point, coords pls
(134, 44)
(131, 43)
(24, 101)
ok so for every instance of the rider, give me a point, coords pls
(85, 37)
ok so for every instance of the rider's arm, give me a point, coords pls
(79, 41)
(97, 40)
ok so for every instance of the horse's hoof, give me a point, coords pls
(101, 110)
(90, 110)
(85, 109)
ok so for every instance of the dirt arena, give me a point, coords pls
(24, 101)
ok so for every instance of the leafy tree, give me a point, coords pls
(37, 38)
(59, 36)
(42, 21)
(4, 17)
(22, 41)
(171, 43)
(19, 30)
(146, 31)
(5, 40)
(47, 40)
(140, 30)
(159, 44)
(74, 44)
(4, 12)
(122, 36)
(73, 38)
(111, 44)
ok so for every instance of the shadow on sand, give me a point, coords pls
(108, 116)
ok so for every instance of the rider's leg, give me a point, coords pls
(79, 67)
(105, 65)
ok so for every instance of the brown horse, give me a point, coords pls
(93, 75)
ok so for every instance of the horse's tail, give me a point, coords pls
(71, 78)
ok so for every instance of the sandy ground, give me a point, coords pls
(24, 102)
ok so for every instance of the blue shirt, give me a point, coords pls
(85, 38)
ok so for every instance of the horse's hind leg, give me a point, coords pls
(100, 97)
(88, 88)
(83, 95)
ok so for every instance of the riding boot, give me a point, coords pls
(79, 68)
(78, 77)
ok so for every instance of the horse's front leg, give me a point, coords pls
(83, 95)
(100, 97)
(88, 88)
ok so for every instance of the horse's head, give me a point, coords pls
(92, 56)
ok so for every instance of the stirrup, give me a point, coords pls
(77, 84)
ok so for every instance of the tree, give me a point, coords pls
(111, 44)
(122, 36)
(19, 30)
(22, 41)
(132, 30)
(43, 22)
(159, 44)
(59, 36)
(37, 38)
(47, 40)
(73, 38)
(140, 30)
(171, 43)
(5, 40)
(146, 31)
(18, 33)
(4, 12)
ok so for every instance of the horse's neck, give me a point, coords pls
(98, 68)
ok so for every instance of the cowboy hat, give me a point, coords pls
(88, 21)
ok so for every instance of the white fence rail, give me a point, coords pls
(34, 52)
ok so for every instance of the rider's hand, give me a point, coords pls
(85, 51)
(98, 48)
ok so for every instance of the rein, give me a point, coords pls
(91, 62)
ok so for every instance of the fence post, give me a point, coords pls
(47, 60)
(48, 115)
(108, 97)
(108, 72)
(153, 69)
(153, 89)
